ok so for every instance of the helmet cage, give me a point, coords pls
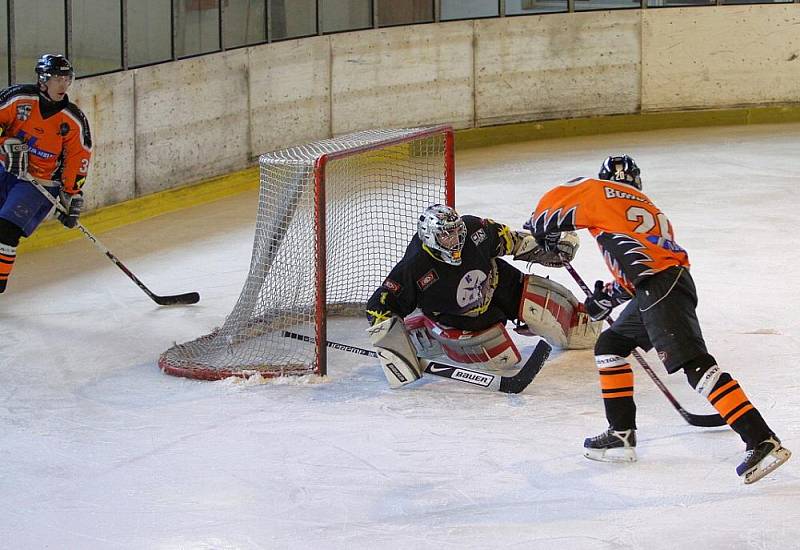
(443, 231)
(622, 169)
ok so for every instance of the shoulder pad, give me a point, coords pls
(11, 92)
(76, 112)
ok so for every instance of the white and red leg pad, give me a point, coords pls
(551, 311)
(395, 352)
(491, 348)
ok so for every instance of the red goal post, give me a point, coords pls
(334, 217)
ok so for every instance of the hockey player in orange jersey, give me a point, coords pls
(42, 136)
(651, 273)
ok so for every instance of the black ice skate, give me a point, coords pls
(611, 446)
(761, 460)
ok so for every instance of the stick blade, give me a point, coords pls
(521, 380)
(177, 299)
(703, 420)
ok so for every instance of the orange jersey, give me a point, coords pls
(634, 236)
(57, 134)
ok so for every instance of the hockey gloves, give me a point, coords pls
(16, 156)
(604, 298)
(73, 204)
(549, 242)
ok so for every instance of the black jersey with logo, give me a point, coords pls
(452, 294)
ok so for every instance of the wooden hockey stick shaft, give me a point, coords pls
(484, 380)
(703, 420)
(169, 300)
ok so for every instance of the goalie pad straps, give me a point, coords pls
(491, 348)
(551, 311)
(396, 354)
(16, 154)
(426, 345)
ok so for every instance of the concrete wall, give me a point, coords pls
(192, 120)
(720, 56)
(290, 94)
(403, 76)
(108, 102)
(168, 125)
(557, 66)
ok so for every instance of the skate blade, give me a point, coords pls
(778, 456)
(620, 454)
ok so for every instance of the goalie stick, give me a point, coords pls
(169, 300)
(484, 380)
(702, 420)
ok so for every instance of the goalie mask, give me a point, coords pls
(442, 230)
(622, 169)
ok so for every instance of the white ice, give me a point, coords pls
(100, 450)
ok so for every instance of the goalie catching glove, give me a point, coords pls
(73, 204)
(552, 251)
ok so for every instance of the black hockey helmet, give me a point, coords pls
(53, 65)
(622, 169)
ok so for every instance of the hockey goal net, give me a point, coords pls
(334, 217)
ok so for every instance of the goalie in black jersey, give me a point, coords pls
(452, 274)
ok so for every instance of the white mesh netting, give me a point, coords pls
(375, 185)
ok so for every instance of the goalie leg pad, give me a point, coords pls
(491, 347)
(552, 311)
(417, 326)
(583, 332)
(395, 351)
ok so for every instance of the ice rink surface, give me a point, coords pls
(100, 450)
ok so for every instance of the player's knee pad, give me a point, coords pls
(552, 311)
(10, 233)
(703, 374)
(491, 347)
(395, 351)
(611, 342)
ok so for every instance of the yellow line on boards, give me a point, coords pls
(52, 233)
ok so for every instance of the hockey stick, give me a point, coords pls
(703, 420)
(171, 300)
(484, 380)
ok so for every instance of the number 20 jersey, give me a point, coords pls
(634, 236)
